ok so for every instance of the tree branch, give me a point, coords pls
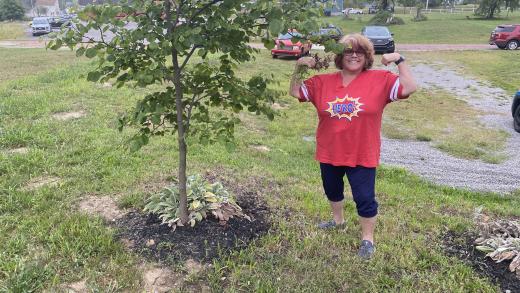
(202, 9)
(188, 57)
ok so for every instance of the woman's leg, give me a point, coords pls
(362, 181)
(332, 177)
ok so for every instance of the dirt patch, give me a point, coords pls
(279, 107)
(39, 182)
(208, 239)
(64, 116)
(77, 287)
(104, 207)
(260, 148)
(160, 279)
(20, 151)
(461, 246)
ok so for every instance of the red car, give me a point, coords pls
(506, 36)
(285, 47)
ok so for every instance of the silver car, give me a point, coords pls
(40, 26)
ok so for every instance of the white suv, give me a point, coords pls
(40, 26)
(348, 11)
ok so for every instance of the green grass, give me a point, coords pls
(12, 30)
(438, 29)
(21, 63)
(45, 242)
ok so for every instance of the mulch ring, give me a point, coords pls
(208, 239)
(462, 247)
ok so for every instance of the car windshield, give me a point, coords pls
(377, 32)
(502, 29)
(40, 21)
(289, 36)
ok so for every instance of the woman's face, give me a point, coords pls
(354, 60)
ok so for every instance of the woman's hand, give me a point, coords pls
(306, 61)
(389, 58)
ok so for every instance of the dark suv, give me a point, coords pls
(381, 37)
(328, 32)
(506, 36)
(515, 109)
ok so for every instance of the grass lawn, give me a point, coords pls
(438, 29)
(45, 242)
(12, 30)
(21, 63)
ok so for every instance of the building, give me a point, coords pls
(45, 8)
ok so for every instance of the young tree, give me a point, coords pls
(191, 48)
(489, 8)
(11, 10)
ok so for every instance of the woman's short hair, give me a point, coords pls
(356, 42)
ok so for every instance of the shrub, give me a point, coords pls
(204, 199)
(11, 10)
(385, 18)
(420, 17)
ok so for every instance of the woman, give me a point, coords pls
(350, 106)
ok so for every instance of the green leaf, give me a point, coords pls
(275, 26)
(93, 76)
(57, 44)
(268, 44)
(91, 52)
(80, 51)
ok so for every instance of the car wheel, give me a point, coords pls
(512, 45)
(274, 56)
(517, 119)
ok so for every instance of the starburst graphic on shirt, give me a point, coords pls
(347, 108)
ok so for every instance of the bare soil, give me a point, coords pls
(461, 246)
(64, 116)
(104, 207)
(208, 239)
(39, 182)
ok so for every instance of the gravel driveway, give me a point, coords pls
(423, 159)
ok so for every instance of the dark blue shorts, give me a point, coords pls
(362, 183)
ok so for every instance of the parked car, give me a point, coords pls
(381, 37)
(285, 47)
(515, 109)
(506, 36)
(372, 9)
(348, 11)
(58, 21)
(40, 26)
(328, 32)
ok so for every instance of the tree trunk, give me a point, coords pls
(183, 197)
(492, 9)
(183, 150)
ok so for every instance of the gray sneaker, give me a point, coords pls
(331, 225)
(367, 249)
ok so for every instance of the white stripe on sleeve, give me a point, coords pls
(305, 92)
(394, 91)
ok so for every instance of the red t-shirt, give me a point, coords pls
(350, 116)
